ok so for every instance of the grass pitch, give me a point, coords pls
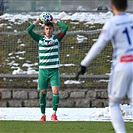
(59, 127)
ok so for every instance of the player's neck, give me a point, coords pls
(116, 12)
(48, 36)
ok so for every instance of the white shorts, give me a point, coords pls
(121, 82)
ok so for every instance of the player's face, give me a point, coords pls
(48, 31)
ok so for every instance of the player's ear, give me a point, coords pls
(52, 27)
(111, 6)
(44, 29)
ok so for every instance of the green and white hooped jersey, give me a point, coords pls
(49, 52)
(48, 48)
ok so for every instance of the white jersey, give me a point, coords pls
(119, 30)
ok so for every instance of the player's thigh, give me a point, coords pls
(42, 79)
(118, 84)
(55, 78)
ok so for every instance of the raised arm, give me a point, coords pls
(31, 32)
(63, 27)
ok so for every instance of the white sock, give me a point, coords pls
(116, 117)
(54, 112)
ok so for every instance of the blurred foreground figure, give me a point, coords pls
(119, 29)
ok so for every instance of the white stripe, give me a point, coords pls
(51, 66)
(47, 48)
(40, 41)
(48, 54)
(49, 60)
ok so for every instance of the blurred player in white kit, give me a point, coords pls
(119, 29)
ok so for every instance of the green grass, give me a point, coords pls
(59, 127)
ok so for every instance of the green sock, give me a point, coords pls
(55, 101)
(42, 102)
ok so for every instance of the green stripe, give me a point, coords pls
(48, 51)
(49, 63)
(50, 45)
(48, 57)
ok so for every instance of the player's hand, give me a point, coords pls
(54, 21)
(81, 71)
(37, 21)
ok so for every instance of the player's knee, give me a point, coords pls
(115, 99)
(55, 90)
(43, 91)
(113, 103)
(131, 100)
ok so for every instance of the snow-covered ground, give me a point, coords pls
(64, 114)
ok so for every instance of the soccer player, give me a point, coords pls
(119, 29)
(49, 62)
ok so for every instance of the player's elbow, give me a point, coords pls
(65, 28)
(28, 31)
(100, 44)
